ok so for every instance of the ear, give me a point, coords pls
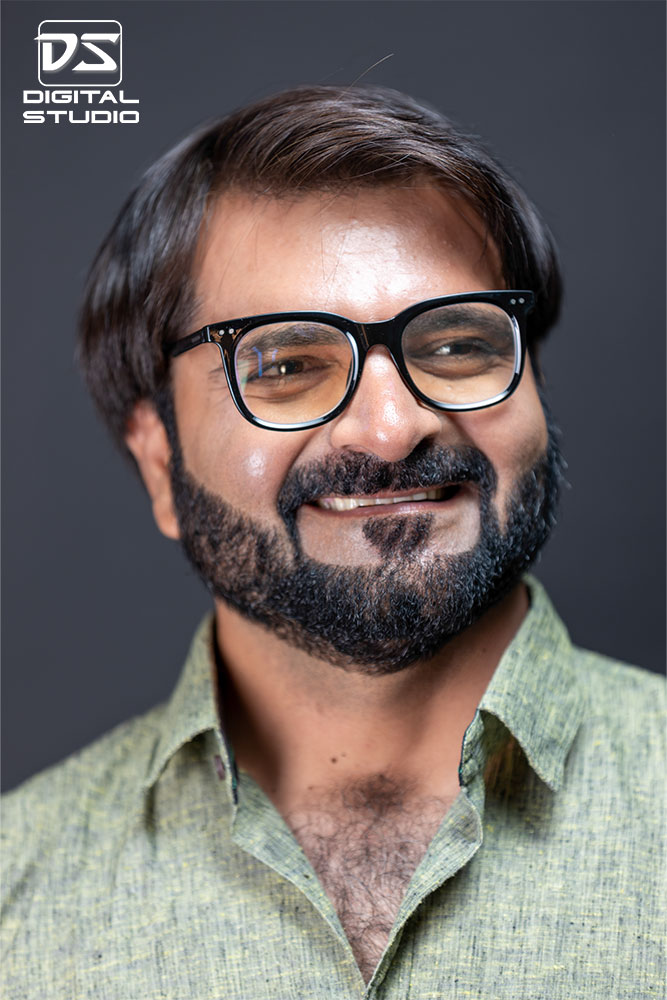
(146, 438)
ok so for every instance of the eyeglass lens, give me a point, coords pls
(461, 353)
(296, 372)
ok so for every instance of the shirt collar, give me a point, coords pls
(535, 690)
(193, 706)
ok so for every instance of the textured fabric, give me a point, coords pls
(144, 867)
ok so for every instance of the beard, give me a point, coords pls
(376, 619)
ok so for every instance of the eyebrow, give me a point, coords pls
(294, 335)
(457, 316)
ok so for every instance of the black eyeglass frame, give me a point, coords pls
(361, 337)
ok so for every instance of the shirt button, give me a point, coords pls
(220, 767)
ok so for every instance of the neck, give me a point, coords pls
(299, 725)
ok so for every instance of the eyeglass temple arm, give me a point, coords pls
(192, 340)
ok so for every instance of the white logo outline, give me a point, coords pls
(87, 39)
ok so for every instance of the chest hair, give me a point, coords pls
(365, 841)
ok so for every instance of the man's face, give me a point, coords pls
(365, 255)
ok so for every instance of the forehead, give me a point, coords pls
(366, 253)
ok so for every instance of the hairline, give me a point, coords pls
(349, 189)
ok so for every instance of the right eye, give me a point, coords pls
(274, 368)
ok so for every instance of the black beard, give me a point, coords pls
(379, 619)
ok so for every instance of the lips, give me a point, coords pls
(360, 479)
(342, 503)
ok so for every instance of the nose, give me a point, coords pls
(383, 418)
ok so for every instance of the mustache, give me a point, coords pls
(357, 474)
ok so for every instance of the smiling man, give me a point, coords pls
(385, 770)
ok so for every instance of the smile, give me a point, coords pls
(351, 503)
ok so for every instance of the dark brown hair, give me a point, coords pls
(139, 294)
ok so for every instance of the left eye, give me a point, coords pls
(460, 347)
(288, 367)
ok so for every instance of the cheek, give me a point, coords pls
(252, 473)
(522, 443)
(246, 473)
(220, 448)
(512, 435)
(518, 455)
(255, 465)
(244, 465)
(534, 436)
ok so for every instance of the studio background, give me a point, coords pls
(98, 608)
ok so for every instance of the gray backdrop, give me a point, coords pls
(98, 608)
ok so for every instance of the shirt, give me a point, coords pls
(146, 867)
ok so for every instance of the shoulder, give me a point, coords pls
(624, 724)
(620, 693)
(606, 694)
(73, 800)
(105, 762)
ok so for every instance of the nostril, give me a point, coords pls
(383, 417)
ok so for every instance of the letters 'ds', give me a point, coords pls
(59, 46)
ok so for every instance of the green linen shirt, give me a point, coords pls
(146, 867)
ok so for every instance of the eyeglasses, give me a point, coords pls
(290, 371)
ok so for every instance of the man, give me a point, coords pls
(385, 771)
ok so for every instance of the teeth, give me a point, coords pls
(349, 503)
